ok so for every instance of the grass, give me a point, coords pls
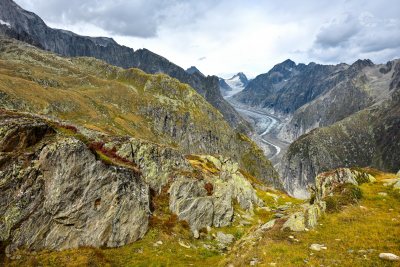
(90, 93)
(354, 236)
(371, 224)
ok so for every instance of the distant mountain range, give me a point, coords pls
(234, 85)
(347, 103)
(28, 27)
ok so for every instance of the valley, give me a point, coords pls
(267, 127)
(114, 156)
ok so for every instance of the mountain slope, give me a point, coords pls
(28, 27)
(370, 137)
(102, 97)
(316, 95)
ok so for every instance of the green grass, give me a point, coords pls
(372, 223)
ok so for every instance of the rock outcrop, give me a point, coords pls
(57, 195)
(28, 27)
(326, 186)
(65, 187)
(208, 201)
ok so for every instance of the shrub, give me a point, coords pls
(343, 195)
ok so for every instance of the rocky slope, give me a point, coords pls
(66, 188)
(93, 94)
(367, 138)
(317, 95)
(28, 27)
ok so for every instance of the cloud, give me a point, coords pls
(338, 31)
(236, 35)
(140, 18)
(351, 37)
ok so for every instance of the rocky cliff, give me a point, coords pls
(367, 138)
(28, 27)
(363, 84)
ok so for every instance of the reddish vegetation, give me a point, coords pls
(209, 187)
(111, 153)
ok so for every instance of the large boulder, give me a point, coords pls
(208, 201)
(56, 195)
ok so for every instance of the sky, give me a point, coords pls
(229, 36)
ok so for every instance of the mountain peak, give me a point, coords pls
(288, 63)
(193, 70)
(362, 63)
(242, 77)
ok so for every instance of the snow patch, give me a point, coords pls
(236, 84)
(2, 22)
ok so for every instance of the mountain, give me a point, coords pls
(287, 86)
(28, 27)
(193, 70)
(317, 95)
(369, 137)
(96, 95)
(100, 154)
(330, 116)
(234, 85)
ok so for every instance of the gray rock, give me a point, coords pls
(296, 222)
(69, 199)
(326, 182)
(396, 185)
(268, 225)
(389, 256)
(190, 200)
(225, 239)
(317, 247)
(196, 234)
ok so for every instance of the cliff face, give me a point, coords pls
(367, 138)
(287, 86)
(28, 27)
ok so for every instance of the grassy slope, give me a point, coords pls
(174, 234)
(374, 223)
(93, 94)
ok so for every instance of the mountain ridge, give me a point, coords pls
(28, 27)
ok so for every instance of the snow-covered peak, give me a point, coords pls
(237, 83)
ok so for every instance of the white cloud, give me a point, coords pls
(233, 35)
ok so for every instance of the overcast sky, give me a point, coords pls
(227, 36)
